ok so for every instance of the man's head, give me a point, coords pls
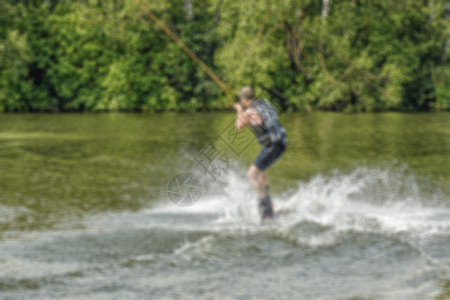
(246, 96)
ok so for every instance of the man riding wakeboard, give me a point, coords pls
(262, 118)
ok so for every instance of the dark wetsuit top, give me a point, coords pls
(270, 131)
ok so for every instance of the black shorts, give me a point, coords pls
(268, 155)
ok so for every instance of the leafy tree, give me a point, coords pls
(344, 55)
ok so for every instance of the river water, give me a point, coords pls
(91, 207)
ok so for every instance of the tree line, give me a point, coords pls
(339, 55)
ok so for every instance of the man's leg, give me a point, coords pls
(258, 176)
(258, 179)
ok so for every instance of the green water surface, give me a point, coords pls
(59, 167)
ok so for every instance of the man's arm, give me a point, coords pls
(242, 118)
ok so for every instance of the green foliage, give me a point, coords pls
(14, 82)
(442, 82)
(110, 56)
